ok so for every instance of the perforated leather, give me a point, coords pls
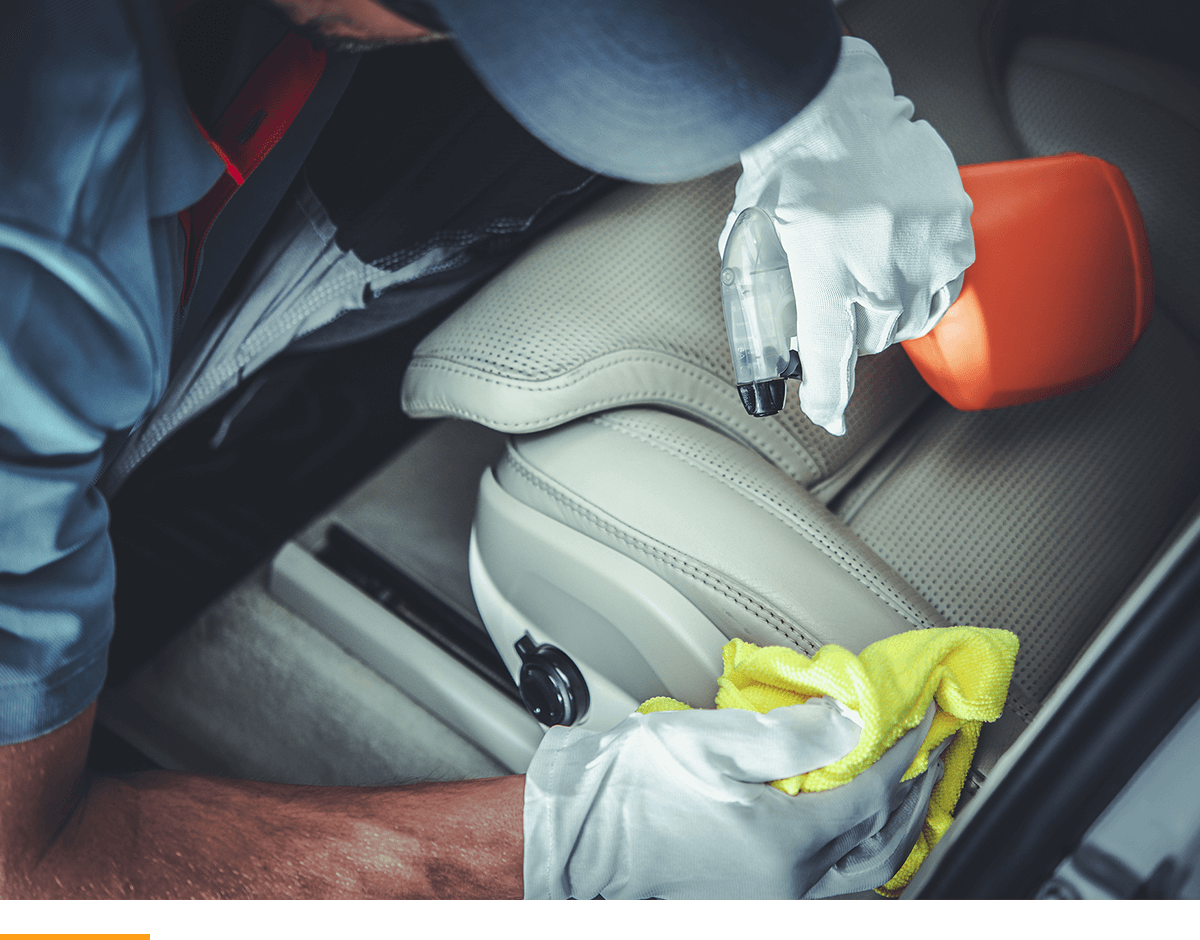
(1141, 115)
(761, 557)
(1037, 518)
(622, 307)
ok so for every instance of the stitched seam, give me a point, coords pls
(563, 380)
(768, 449)
(680, 563)
(869, 578)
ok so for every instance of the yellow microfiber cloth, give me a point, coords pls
(890, 684)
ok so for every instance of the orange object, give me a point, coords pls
(1060, 290)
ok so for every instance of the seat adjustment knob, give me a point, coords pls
(551, 685)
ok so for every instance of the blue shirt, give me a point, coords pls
(98, 153)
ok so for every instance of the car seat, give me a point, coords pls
(639, 517)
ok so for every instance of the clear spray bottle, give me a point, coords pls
(760, 312)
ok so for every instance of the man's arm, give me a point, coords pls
(65, 833)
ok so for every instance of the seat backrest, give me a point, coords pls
(622, 307)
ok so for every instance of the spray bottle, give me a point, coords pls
(760, 312)
(1060, 291)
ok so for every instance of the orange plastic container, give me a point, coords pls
(1060, 290)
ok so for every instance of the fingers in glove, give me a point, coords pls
(827, 334)
(876, 329)
(865, 859)
(874, 792)
(732, 744)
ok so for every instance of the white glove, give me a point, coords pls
(678, 805)
(871, 211)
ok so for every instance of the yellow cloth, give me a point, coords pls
(890, 684)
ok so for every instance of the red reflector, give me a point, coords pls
(251, 125)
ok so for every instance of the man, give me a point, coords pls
(97, 157)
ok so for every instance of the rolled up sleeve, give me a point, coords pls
(69, 377)
(97, 154)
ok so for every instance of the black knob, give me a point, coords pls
(551, 685)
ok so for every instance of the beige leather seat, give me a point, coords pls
(603, 353)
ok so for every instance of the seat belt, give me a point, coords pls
(263, 138)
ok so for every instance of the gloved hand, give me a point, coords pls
(677, 805)
(871, 211)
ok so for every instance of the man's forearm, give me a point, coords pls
(172, 835)
(175, 835)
